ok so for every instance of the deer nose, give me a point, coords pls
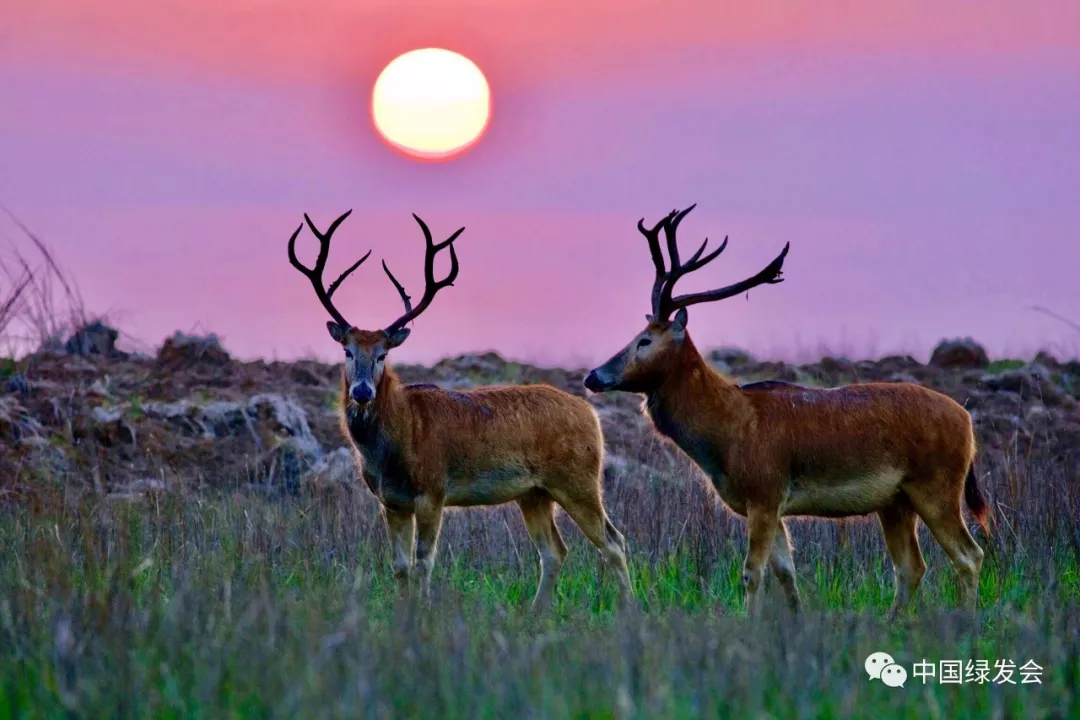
(362, 392)
(593, 382)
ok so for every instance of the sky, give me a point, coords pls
(921, 157)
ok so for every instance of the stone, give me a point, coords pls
(1034, 382)
(338, 467)
(959, 353)
(182, 350)
(95, 338)
(283, 416)
(1047, 359)
(733, 357)
(111, 428)
(289, 462)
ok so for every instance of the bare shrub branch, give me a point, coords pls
(40, 302)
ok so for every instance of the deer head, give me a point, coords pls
(366, 350)
(642, 365)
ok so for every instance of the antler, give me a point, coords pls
(430, 285)
(314, 274)
(662, 302)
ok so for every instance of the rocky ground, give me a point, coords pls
(90, 416)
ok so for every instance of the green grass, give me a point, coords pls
(997, 366)
(237, 606)
(136, 409)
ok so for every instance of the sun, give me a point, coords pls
(431, 103)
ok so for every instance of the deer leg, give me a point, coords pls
(902, 541)
(399, 527)
(762, 525)
(586, 509)
(538, 510)
(783, 567)
(428, 524)
(942, 515)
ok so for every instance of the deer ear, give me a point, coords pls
(678, 325)
(337, 331)
(398, 337)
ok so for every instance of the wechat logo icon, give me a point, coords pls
(881, 666)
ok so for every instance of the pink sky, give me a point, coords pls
(922, 158)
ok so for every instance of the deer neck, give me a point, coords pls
(699, 409)
(385, 419)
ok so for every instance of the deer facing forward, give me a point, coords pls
(421, 449)
(774, 449)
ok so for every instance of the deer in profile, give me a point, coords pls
(773, 450)
(422, 449)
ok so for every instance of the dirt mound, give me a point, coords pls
(959, 353)
(182, 351)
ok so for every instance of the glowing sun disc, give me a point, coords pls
(431, 103)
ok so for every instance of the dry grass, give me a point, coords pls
(228, 602)
(40, 302)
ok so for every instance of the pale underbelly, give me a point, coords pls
(857, 495)
(492, 487)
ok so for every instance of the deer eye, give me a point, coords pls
(348, 354)
(644, 342)
(381, 357)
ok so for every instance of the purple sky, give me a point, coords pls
(923, 158)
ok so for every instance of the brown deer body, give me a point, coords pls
(422, 449)
(774, 450)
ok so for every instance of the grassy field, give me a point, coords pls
(233, 603)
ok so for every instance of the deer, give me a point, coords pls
(774, 450)
(422, 449)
